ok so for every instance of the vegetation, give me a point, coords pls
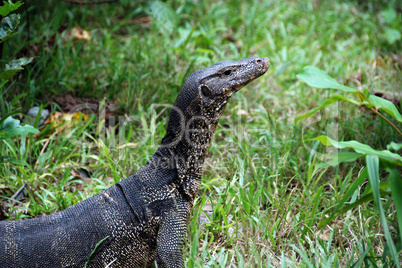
(272, 193)
(10, 127)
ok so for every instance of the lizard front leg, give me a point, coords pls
(170, 241)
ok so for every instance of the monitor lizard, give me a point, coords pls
(143, 218)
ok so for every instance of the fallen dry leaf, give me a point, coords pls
(62, 122)
(69, 104)
(77, 33)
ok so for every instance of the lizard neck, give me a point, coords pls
(186, 145)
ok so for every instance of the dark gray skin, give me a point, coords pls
(143, 218)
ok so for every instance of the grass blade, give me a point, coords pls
(395, 183)
(373, 165)
(362, 257)
(303, 256)
(363, 175)
(93, 251)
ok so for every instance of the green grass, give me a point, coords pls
(263, 177)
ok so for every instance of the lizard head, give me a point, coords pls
(217, 83)
(205, 94)
(197, 110)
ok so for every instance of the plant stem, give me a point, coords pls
(377, 112)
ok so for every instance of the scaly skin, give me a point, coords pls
(143, 218)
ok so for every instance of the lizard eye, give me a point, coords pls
(227, 72)
(206, 92)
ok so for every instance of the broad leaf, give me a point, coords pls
(18, 63)
(394, 146)
(9, 7)
(11, 127)
(326, 103)
(392, 35)
(315, 77)
(7, 74)
(163, 15)
(7, 115)
(389, 15)
(8, 26)
(14, 67)
(340, 157)
(362, 149)
(386, 106)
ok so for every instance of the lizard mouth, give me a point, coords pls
(256, 67)
(259, 66)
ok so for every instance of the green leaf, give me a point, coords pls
(373, 165)
(164, 17)
(392, 35)
(394, 146)
(395, 183)
(14, 102)
(17, 63)
(386, 106)
(326, 103)
(389, 15)
(14, 67)
(9, 7)
(315, 77)
(7, 115)
(7, 74)
(362, 149)
(11, 127)
(340, 157)
(8, 26)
